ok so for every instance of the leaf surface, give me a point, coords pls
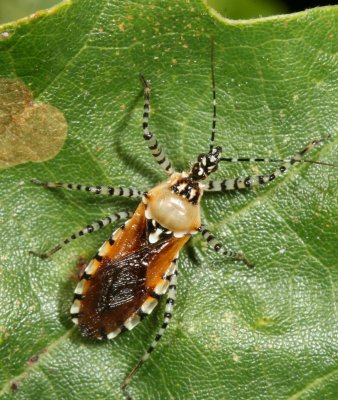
(267, 333)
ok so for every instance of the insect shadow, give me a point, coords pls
(134, 163)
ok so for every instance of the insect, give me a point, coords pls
(137, 265)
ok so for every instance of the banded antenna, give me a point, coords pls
(214, 117)
(270, 160)
(292, 160)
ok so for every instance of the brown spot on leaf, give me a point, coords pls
(14, 386)
(28, 131)
(121, 27)
(33, 360)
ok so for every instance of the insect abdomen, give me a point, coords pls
(124, 281)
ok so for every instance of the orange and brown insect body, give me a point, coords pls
(123, 282)
(139, 255)
(137, 265)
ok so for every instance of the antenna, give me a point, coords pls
(297, 157)
(270, 160)
(214, 118)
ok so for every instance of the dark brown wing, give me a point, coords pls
(117, 290)
(124, 277)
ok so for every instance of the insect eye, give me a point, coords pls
(218, 150)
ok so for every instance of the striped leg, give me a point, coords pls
(89, 229)
(105, 190)
(255, 180)
(153, 144)
(167, 316)
(220, 249)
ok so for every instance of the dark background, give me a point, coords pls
(294, 6)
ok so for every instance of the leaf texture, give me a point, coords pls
(266, 333)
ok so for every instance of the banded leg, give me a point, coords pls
(105, 190)
(255, 180)
(220, 249)
(167, 316)
(88, 229)
(153, 144)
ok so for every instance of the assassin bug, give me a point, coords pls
(138, 263)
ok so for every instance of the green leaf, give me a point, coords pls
(243, 9)
(267, 333)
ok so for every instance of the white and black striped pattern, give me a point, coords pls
(167, 317)
(105, 190)
(214, 117)
(256, 180)
(156, 232)
(153, 144)
(220, 249)
(256, 159)
(95, 226)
